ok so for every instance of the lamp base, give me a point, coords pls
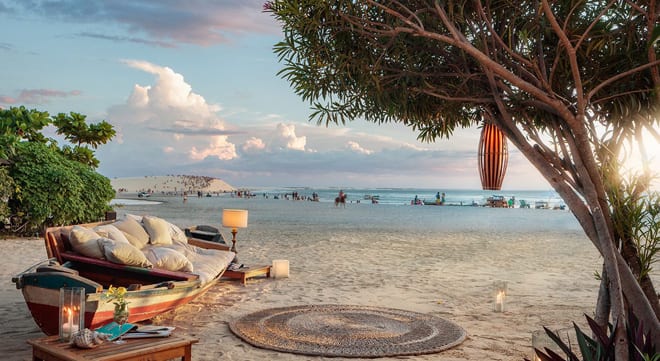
(233, 245)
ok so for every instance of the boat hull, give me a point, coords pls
(41, 293)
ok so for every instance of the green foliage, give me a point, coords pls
(75, 129)
(56, 190)
(601, 346)
(391, 61)
(7, 189)
(18, 123)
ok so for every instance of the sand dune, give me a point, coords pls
(174, 184)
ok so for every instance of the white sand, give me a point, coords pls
(540, 293)
(170, 184)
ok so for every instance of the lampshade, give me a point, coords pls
(493, 157)
(234, 218)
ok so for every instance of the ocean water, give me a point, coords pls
(403, 196)
(269, 210)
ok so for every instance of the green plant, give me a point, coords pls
(601, 346)
(55, 190)
(6, 192)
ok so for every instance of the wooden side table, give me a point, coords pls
(247, 272)
(139, 349)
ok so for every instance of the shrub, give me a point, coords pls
(53, 190)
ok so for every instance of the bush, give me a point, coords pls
(53, 190)
(6, 192)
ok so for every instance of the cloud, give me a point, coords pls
(127, 39)
(38, 96)
(288, 138)
(354, 146)
(158, 23)
(165, 124)
(165, 127)
(169, 105)
(253, 144)
(219, 148)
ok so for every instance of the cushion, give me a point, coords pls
(177, 234)
(134, 216)
(168, 259)
(112, 232)
(123, 253)
(83, 241)
(134, 232)
(158, 230)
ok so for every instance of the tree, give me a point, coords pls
(6, 192)
(570, 82)
(52, 184)
(54, 190)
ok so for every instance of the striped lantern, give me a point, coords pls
(493, 157)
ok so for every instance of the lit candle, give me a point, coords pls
(69, 327)
(499, 301)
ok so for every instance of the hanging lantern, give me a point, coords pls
(493, 157)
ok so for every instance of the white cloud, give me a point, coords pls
(219, 148)
(254, 144)
(288, 137)
(354, 146)
(170, 91)
(167, 122)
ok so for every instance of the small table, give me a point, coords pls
(139, 349)
(247, 272)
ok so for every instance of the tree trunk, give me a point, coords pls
(602, 315)
(631, 256)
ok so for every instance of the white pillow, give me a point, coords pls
(134, 232)
(134, 216)
(169, 259)
(123, 253)
(112, 232)
(83, 241)
(177, 234)
(158, 230)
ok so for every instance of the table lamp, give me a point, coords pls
(234, 219)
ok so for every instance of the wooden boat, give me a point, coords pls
(150, 291)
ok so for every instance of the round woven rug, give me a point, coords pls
(347, 331)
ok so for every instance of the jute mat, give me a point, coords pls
(347, 331)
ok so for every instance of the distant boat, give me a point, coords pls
(541, 205)
(496, 202)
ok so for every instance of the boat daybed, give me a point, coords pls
(160, 266)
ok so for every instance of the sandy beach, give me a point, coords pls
(435, 260)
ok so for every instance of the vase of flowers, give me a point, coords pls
(117, 295)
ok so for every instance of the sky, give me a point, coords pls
(191, 87)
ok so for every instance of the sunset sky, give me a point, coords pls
(191, 88)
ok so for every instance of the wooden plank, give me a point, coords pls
(154, 349)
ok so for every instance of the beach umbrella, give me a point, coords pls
(493, 157)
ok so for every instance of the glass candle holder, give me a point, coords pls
(71, 312)
(280, 268)
(499, 295)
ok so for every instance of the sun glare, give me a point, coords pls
(635, 162)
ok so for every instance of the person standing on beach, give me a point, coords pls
(437, 198)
